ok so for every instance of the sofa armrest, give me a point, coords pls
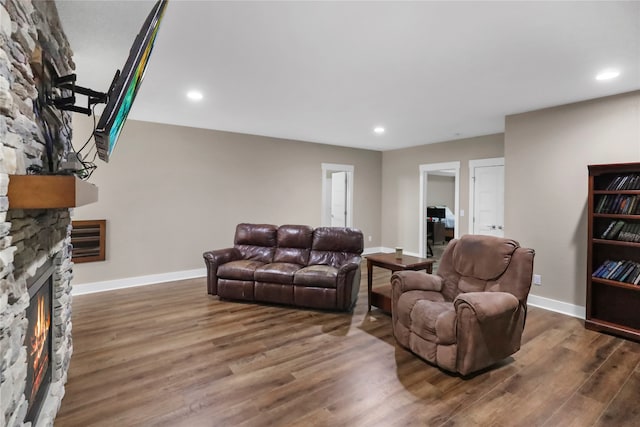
(416, 281)
(348, 284)
(488, 305)
(214, 259)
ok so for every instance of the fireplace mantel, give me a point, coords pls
(49, 192)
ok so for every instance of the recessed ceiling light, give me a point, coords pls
(379, 130)
(608, 74)
(194, 95)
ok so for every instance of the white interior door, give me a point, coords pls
(337, 195)
(338, 199)
(488, 200)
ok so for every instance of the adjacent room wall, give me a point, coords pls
(546, 182)
(401, 184)
(441, 191)
(169, 193)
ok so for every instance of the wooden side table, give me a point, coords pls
(381, 295)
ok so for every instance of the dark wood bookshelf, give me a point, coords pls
(612, 306)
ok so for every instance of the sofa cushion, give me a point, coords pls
(336, 246)
(277, 272)
(239, 270)
(256, 241)
(320, 276)
(294, 244)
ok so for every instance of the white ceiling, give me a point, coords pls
(329, 72)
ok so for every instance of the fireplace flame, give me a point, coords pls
(38, 346)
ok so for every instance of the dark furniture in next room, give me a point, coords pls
(435, 227)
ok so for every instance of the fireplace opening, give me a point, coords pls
(38, 339)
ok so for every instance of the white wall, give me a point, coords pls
(546, 182)
(169, 193)
(441, 191)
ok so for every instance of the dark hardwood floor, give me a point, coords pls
(170, 355)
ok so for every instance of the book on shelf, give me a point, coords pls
(601, 202)
(613, 184)
(624, 182)
(605, 269)
(632, 266)
(600, 269)
(622, 271)
(615, 270)
(634, 274)
(606, 232)
(613, 234)
(624, 231)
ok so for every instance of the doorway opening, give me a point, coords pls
(337, 195)
(439, 204)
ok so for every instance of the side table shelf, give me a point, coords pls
(380, 296)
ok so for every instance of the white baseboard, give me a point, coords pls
(572, 310)
(130, 282)
(374, 250)
(384, 249)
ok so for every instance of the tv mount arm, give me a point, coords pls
(68, 103)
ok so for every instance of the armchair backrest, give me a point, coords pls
(294, 244)
(335, 246)
(477, 263)
(256, 241)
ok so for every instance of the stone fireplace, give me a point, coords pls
(31, 240)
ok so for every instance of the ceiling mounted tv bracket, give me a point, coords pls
(68, 103)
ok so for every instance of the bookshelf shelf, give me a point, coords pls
(624, 285)
(616, 216)
(616, 243)
(629, 192)
(613, 306)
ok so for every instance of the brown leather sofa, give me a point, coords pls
(290, 264)
(471, 313)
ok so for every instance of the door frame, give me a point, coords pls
(325, 214)
(494, 161)
(424, 172)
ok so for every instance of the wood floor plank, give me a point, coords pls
(171, 355)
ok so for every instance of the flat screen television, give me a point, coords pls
(126, 84)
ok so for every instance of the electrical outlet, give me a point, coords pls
(461, 212)
(369, 238)
(537, 279)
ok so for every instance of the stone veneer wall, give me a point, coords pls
(29, 237)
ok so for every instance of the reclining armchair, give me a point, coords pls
(471, 313)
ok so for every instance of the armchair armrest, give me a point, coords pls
(214, 259)
(416, 281)
(488, 305)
